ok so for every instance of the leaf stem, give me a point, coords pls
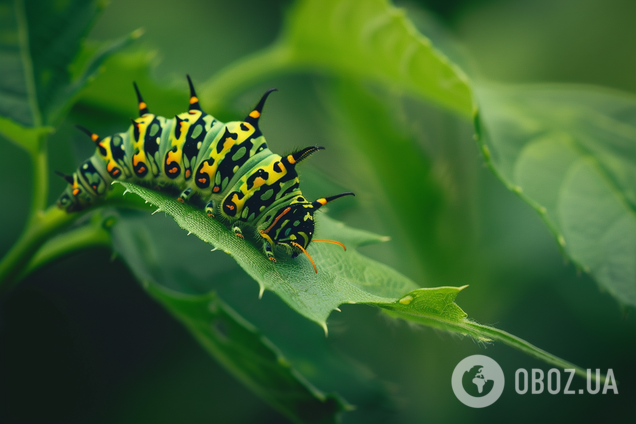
(527, 348)
(44, 226)
(38, 230)
(92, 235)
(40, 173)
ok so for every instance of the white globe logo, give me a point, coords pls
(478, 381)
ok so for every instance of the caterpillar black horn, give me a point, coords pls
(321, 202)
(194, 100)
(255, 114)
(143, 107)
(68, 178)
(89, 133)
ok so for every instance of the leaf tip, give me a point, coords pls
(324, 327)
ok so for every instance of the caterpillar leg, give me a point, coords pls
(185, 195)
(269, 252)
(209, 209)
(238, 232)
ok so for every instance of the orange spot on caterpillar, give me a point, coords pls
(142, 105)
(193, 100)
(230, 207)
(76, 192)
(216, 189)
(187, 173)
(255, 114)
(94, 137)
(180, 200)
(322, 201)
(258, 181)
(116, 172)
(142, 169)
(201, 180)
(291, 159)
(172, 170)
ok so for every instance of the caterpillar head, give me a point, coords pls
(293, 226)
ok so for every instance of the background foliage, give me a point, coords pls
(82, 340)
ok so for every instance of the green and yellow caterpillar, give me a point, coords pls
(227, 169)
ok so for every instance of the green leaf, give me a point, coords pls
(343, 277)
(43, 63)
(148, 244)
(570, 152)
(250, 356)
(436, 308)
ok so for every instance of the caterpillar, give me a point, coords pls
(224, 168)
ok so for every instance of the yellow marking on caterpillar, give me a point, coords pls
(140, 155)
(266, 165)
(227, 144)
(291, 159)
(173, 157)
(193, 100)
(322, 201)
(255, 114)
(142, 105)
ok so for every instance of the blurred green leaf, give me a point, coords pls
(368, 39)
(26, 137)
(372, 39)
(250, 356)
(43, 61)
(124, 68)
(570, 152)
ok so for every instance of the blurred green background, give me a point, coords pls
(82, 342)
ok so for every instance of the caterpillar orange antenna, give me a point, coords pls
(330, 241)
(305, 252)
